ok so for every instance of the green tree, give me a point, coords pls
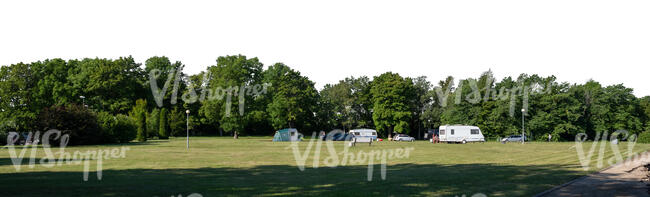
(163, 128)
(233, 78)
(153, 123)
(139, 111)
(393, 98)
(294, 98)
(644, 106)
(17, 108)
(108, 85)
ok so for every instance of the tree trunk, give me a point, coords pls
(390, 133)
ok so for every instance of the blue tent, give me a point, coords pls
(287, 135)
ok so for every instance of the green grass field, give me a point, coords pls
(256, 166)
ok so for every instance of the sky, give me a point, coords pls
(575, 40)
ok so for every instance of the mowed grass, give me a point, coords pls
(255, 166)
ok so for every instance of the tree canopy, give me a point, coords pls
(239, 95)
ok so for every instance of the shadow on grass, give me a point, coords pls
(401, 180)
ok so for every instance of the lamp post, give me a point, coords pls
(83, 100)
(523, 138)
(187, 140)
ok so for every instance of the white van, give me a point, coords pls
(371, 133)
(460, 134)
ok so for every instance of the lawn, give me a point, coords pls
(221, 166)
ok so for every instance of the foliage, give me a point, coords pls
(77, 121)
(393, 98)
(153, 123)
(389, 102)
(177, 122)
(140, 113)
(293, 98)
(119, 128)
(644, 137)
(163, 127)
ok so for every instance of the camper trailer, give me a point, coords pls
(371, 133)
(460, 134)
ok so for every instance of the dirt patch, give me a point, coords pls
(629, 178)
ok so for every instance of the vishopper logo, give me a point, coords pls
(218, 93)
(51, 159)
(346, 157)
(602, 139)
(489, 93)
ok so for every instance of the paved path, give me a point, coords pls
(618, 180)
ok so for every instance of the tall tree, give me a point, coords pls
(139, 111)
(294, 98)
(393, 97)
(234, 77)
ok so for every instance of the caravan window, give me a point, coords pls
(474, 131)
(452, 132)
(357, 133)
(374, 133)
(442, 132)
(293, 133)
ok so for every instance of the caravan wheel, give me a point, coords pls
(464, 142)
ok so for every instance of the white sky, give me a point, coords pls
(608, 41)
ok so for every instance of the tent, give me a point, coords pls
(287, 135)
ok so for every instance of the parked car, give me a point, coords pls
(403, 137)
(513, 138)
(340, 137)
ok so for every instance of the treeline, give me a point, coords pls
(107, 101)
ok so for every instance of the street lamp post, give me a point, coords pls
(83, 100)
(523, 137)
(187, 140)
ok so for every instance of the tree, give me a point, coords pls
(140, 113)
(108, 85)
(644, 106)
(17, 108)
(168, 83)
(163, 129)
(233, 78)
(177, 122)
(393, 98)
(153, 123)
(294, 98)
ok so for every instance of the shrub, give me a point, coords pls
(139, 112)
(153, 123)
(125, 130)
(163, 131)
(644, 137)
(77, 121)
(118, 128)
(177, 122)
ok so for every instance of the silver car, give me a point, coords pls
(513, 138)
(403, 137)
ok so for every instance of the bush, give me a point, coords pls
(139, 112)
(118, 128)
(77, 121)
(125, 130)
(644, 137)
(163, 131)
(153, 123)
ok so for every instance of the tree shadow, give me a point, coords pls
(283, 180)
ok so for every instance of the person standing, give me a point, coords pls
(549, 137)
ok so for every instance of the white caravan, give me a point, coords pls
(371, 133)
(460, 134)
